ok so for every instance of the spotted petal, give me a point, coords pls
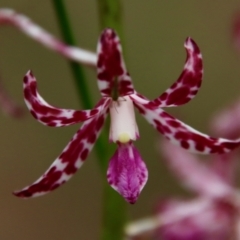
(127, 172)
(183, 135)
(52, 116)
(71, 159)
(226, 122)
(189, 82)
(193, 174)
(111, 70)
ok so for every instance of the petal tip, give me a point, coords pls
(131, 199)
(30, 73)
(109, 32)
(130, 195)
(22, 194)
(192, 46)
(189, 43)
(28, 77)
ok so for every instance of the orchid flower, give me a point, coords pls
(218, 204)
(127, 172)
(214, 214)
(227, 121)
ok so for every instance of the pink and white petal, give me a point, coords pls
(174, 210)
(183, 135)
(226, 122)
(52, 116)
(127, 173)
(207, 220)
(193, 174)
(225, 166)
(170, 212)
(31, 29)
(71, 159)
(111, 68)
(189, 82)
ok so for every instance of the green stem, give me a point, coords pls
(113, 204)
(110, 15)
(114, 214)
(77, 70)
(114, 207)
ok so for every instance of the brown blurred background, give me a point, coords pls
(154, 35)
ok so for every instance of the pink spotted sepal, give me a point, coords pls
(183, 135)
(111, 69)
(127, 173)
(69, 161)
(50, 115)
(189, 82)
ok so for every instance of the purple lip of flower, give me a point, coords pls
(127, 173)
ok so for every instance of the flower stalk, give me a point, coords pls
(77, 70)
(114, 208)
(110, 15)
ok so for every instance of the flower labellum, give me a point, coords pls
(127, 172)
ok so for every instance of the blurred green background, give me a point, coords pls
(154, 35)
